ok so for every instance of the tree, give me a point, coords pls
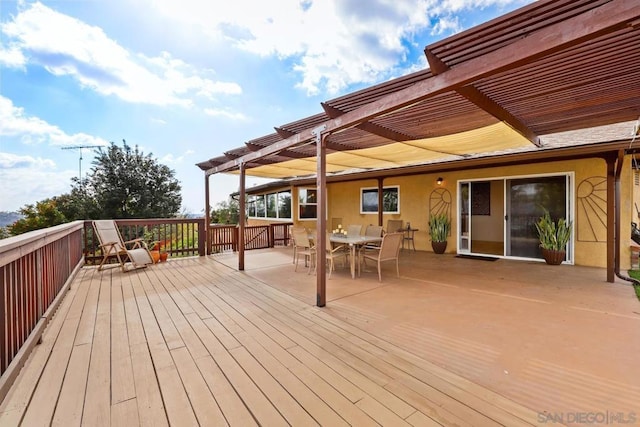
(77, 204)
(44, 214)
(123, 183)
(4, 233)
(226, 212)
(126, 183)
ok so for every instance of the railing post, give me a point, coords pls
(39, 281)
(235, 239)
(202, 237)
(271, 235)
(3, 320)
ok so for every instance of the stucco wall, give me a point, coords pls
(419, 194)
(589, 200)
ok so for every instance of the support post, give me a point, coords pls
(321, 228)
(617, 238)
(380, 200)
(241, 218)
(207, 215)
(611, 224)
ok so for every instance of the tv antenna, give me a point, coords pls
(79, 148)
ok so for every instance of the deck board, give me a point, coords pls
(97, 410)
(193, 342)
(15, 404)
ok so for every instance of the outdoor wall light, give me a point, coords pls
(440, 180)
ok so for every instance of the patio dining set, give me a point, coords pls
(350, 245)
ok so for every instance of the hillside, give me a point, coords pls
(7, 218)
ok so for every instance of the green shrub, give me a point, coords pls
(553, 236)
(439, 227)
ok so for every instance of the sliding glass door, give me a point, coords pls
(527, 198)
(464, 218)
(497, 217)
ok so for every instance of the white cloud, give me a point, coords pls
(29, 179)
(66, 46)
(14, 161)
(447, 24)
(333, 43)
(225, 114)
(158, 121)
(11, 57)
(33, 130)
(173, 159)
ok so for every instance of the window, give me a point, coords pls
(260, 211)
(272, 205)
(307, 203)
(390, 200)
(251, 206)
(284, 204)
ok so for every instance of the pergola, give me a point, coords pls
(494, 94)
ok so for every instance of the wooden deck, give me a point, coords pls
(193, 342)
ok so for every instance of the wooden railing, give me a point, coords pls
(179, 237)
(225, 237)
(35, 270)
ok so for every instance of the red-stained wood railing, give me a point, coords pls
(179, 237)
(36, 269)
(225, 237)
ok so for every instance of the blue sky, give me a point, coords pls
(189, 80)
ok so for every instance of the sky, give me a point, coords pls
(188, 80)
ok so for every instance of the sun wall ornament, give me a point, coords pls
(440, 202)
(591, 210)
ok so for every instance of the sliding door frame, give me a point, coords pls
(569, 201)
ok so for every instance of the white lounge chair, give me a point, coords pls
(111, 243)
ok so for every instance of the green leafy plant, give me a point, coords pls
(553, 235)
(439, 227)
(158, 238)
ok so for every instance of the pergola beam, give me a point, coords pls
(373, 128)
(476, 96)
(284, 153)
(551, 39)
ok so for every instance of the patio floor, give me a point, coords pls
(452, 342)
(559, 340)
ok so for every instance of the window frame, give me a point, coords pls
(300, 203)
(364, 190)
(256, 201)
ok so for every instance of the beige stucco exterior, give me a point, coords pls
(588, 193)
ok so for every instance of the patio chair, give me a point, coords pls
(389, 251)
(335, 252)
(293, 240)
(393, 225)
(303, 247)
(354, 230)
(111, 243)
(372, 231)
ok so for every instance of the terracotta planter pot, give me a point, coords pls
(155, 256)
(439, 247)
(163, 256)
(552, 257)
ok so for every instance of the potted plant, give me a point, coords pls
(161, 247)
(554, 237)
(156, 244)
(439, 227)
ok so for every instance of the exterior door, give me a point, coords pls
(526, 199)
(464, 218)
